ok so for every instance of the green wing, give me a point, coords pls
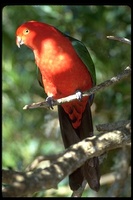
(84, 55)
(39, 77)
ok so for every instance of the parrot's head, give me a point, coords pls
(27, 32)
(24, 34)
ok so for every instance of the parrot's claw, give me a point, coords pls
(79, 95)
(50, 102)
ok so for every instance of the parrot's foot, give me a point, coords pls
(78, 95)
(50, 102)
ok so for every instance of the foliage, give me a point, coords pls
(27, 134)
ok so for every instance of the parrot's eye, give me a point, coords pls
(26, 31)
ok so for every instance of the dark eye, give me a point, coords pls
(26, 31)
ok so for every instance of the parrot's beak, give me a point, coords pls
(19, 41)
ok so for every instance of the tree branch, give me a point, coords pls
(112, 126)
(101, 86)
(27, 183)
(79, 192)
(120, 39)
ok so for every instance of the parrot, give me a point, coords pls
(65, 67)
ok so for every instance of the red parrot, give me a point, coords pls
(65, 67)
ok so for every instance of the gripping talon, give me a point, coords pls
(50, 102)
(79, 95)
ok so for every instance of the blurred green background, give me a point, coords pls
(27, 134)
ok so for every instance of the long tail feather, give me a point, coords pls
(70, 136)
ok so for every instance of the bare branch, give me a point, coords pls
(93, 90)
(45, 161)
(79, 192)
(112, 126)
(27, 183)
(120, 39)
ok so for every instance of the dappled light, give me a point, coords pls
(28, 134)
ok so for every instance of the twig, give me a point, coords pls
(93, 90)
(24, 184)
(79, 192)
(120, 39)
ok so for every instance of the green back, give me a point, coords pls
(84, 55)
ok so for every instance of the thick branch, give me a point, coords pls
(24, 184)
(93, 90)
(45, 161)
